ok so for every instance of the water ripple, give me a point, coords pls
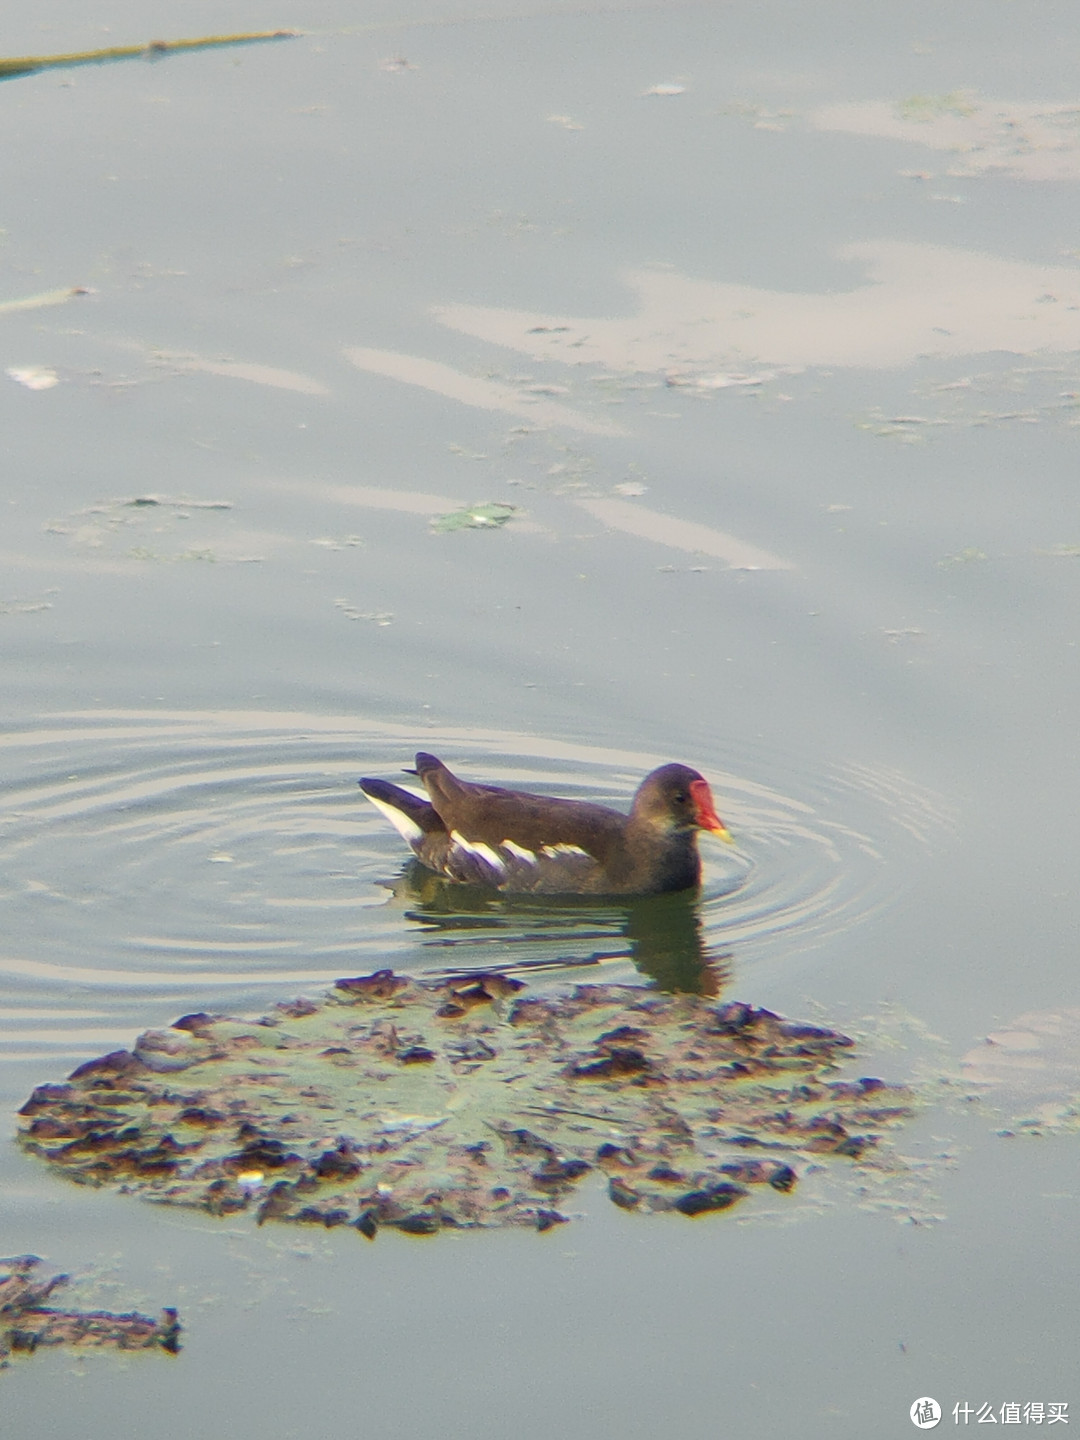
(227, 859)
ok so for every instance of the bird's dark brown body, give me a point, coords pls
(521, 843)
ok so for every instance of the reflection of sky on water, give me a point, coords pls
(917, 301)
(149, 855)
(1028, 141)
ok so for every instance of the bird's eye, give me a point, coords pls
(681, 797)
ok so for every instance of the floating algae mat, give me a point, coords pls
(30, 1321)
(469, 1102)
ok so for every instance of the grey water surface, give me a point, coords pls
(766, 320)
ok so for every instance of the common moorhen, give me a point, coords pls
(530, 844)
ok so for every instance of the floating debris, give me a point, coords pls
(34, 377)
(133, 528)
(25, 607)
(377, 617)
(463, 1102)
(723, 380)
(347, 542)
(672, 89)
(32, 64)
(28, 1322)
(971, 555)
(169, 503)
(35, 302)
(143, 552)
(901, 427)
(904, 633)
(488, 515)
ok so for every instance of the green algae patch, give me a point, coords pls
(487, 515)
(927, 108)
(32, 64)
(470, 1102)
(29, 1321)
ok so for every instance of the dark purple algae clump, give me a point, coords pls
(425, 1105)
(28, 1321)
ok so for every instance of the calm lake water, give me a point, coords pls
(766, 320)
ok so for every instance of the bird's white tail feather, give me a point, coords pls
(406, 827)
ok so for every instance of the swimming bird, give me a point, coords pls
(521, 843)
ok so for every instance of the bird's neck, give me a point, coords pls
(667, 853)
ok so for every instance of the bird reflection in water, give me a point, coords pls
(661, 934)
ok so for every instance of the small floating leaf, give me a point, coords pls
(488, 515)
